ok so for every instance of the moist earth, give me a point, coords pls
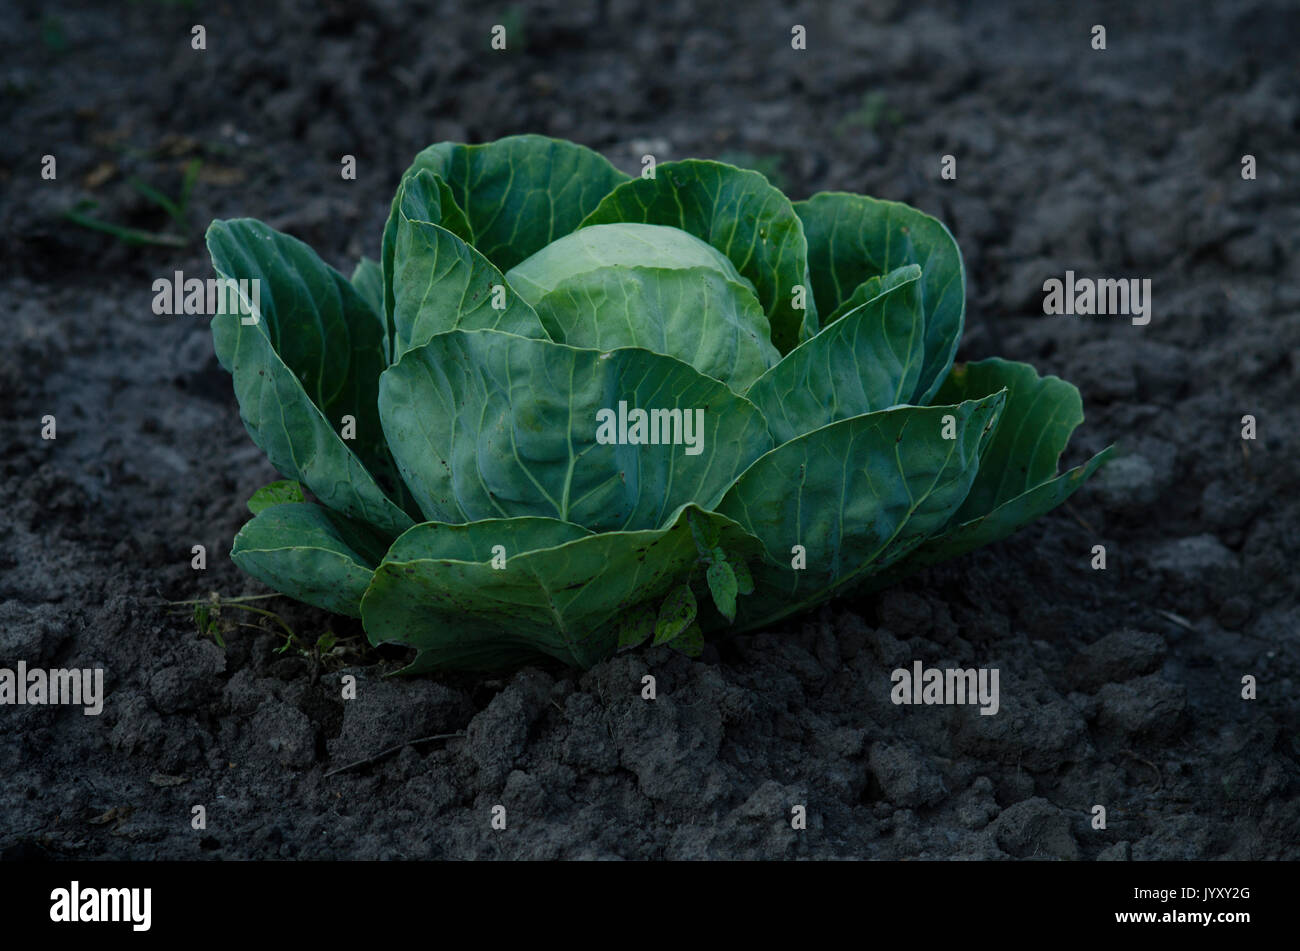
(1119, 687)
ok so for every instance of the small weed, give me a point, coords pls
(329, 650)
(53, 35)
(513, 20)
(207, 615)
(177, 209)
(873, 112)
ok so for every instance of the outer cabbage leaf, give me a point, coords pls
(872, 288)
(1018, 479)
(566, 598)
(423, 195)
(852, 238)
(516, 195)
(857, 495)
(368, 279)
(1034, 430)
(867, 361)
(310, 553)
(429, 199)
(440, 283)
(489, 425)
(313, 356)
(741, 215)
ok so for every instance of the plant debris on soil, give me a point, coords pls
(1119, 687)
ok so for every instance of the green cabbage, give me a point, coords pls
(568, 411)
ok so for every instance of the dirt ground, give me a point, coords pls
(1119, 687)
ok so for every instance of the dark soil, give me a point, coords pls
(1119, 687)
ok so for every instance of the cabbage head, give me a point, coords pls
(568, 411)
